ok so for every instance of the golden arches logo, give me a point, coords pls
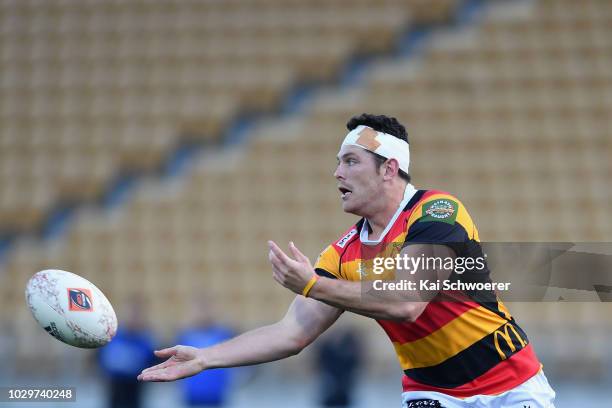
(506, 336)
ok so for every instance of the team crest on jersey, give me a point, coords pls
(362, 271)
(396, 248)
(346, 238)
(79, 300)
(444, 210)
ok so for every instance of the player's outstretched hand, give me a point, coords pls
(293, 273)
(183, 361)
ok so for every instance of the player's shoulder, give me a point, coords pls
(328, 262)
(437, 205)
(440, 212)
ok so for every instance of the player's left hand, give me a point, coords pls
(293, 273)
(182, 362)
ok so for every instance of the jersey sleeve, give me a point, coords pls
(328, 263)
(441, 219)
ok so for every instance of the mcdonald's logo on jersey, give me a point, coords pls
(509, 341)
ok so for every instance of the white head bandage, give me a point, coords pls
(383, 144)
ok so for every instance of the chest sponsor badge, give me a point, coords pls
(346, 238)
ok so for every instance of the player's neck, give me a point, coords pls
(380, 218)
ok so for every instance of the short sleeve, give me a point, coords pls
(328, 263)
(441, 219)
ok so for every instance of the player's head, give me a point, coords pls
(384, 124)
(373, 161)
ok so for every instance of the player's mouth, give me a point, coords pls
(344, 193)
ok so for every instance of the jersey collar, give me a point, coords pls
(409, 192)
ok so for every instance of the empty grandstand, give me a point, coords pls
(507, 105)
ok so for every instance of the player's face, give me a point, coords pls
(358, 181)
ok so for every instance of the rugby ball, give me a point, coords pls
(71, 309)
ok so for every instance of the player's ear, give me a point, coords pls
(391, 169)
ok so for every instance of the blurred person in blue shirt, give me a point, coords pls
(208, 388)
(124, 357)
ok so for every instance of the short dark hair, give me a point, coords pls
(385, 124)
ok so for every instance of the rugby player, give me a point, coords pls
(456, 348)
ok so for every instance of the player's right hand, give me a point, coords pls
(182, 362)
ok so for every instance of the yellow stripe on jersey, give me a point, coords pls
(360, 269)
(329, 260)
(463, 217)
(450, 339)
(350, 270)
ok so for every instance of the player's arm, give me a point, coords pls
(359, 297)
(305, 320)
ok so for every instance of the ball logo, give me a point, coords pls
(79, 300)
(52, 330)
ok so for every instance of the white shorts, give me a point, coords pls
(533, 393)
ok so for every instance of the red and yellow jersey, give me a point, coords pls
(463, 344)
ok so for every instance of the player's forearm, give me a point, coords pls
(352, 297)
(268, 343)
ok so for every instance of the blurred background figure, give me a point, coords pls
(209, 388)
(130, 351)
(7, 345)
(339, 362)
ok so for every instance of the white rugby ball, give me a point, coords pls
(71, 309)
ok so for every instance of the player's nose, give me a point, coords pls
(338, 173)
